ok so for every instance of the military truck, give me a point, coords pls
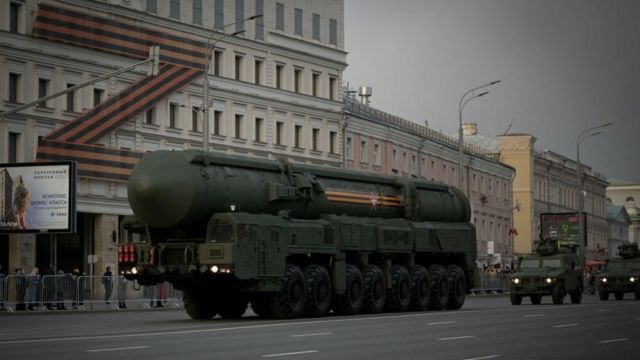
(295, 240)
(621, 274)
(551, 270)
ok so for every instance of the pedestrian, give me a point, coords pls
(49, 287)
(107, 281)
(34, 285)
(77, 287)
(21, 289)
(122, 290)
(60, 287)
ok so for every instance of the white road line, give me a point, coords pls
(484, 357)
(315, 334)
(612, 340)
(564, 325)
(456, 338)
(603, 310)
(290, 353)
(533, 315)
(441, 323)
(118, 349)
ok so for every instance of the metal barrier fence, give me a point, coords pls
(492, 284)
(62, 292)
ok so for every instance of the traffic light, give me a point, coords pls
(154, 64)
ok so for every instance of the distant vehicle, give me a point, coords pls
(295, 240)
(549, 271)
(621, 274)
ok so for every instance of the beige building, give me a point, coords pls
(627, 194)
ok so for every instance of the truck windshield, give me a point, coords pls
(220, 232)
(134, 232)
(530, 263)
(553, 263)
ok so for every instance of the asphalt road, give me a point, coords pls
(487, 327)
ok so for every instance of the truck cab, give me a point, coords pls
(621, 274)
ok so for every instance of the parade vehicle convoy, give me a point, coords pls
(551, 270)
(621, 274)
(294, 240)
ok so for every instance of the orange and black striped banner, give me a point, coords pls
(373, 200)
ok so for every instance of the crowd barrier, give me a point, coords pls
(63, 292)
(492, 284)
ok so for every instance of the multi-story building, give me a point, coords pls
(618, 221)
(382, 143)
(274, 92)
(625, 194)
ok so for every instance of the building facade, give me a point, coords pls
(619, 222)
(274, 92)
(625, 194)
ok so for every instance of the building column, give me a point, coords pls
(22, 252)
(106, 242)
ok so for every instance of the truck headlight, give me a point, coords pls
(516, 281)
(632, 279)
(549, 280)
(134, 270)
(214, 269)
(604, 279)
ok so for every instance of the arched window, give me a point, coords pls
(630, 198)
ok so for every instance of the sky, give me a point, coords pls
(565, 66)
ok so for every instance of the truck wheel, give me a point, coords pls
(260, 305)
(439, 288)
(420, 282)
(350, 303)
(516, 299)
(317, 291)
(576, 297)
(198, 305)
(289, 302)
(457, 287)
(557, 293)
(399, 295)
(536, 299)
(604, 295)
(374, 290)
(619, 295)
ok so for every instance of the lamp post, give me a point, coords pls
(583, 136)
(205, 84)
(461, 105)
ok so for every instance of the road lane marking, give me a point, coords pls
(484, 357)
(119, 349)
(314, 334)
(564, 325)
(533, 315)
(603, 310)
(441, 323)
(290, 353)
(455, 338)
(612, 340)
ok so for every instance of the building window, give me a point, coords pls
(279, 16)
(363, 151)
(297, 80)
(197, 12)
(259, 21)
(239, 120)
(14, 87)
(279, 133)
(174, 9)
(316, 27)
(152, 6)
(258, 65)
(217, 120)
(43, 91)
(71, 101)
(333, 32)
(239, 60)
(239, 15)
(376, 154)
(315, 84)
(217, 62)
(279, 76)
(14, 139)
(349, 148)
(173, 116)
(149, 117)
(333, 87)
(259, 129)
(405, 162)
(98, 95)
(394, 159)
(14, 17)
(414, 165)
(194, 119)
(333, 142)
(218, 14)
(297, 137)
(297, 22)
(315, 138)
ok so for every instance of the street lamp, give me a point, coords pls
(461, 105)
(583, 136)
(205, 84)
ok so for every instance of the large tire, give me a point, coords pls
(350, 303)
(399, 295)
(557, 293)
(619, 295)
(439, 288)
(420, 285)
(289, 302)
(604, 295)
(536, 299)
(199, 305)
(576, 297)
(516, 299)
(317, 291)
(457, 287)
(374, 290)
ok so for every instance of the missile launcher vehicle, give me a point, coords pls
(294, 240)
(621, 274)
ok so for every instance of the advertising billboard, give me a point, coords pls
(38, 197)
(562, 227)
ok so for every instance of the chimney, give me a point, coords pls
(365, 93)
(469, 129)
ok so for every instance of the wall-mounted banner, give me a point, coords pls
(38, 197)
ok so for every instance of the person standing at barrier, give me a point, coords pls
(21, 289)
(77, 287)
(107, 281)
(49, 284)
(34, 286)
(122, 290)
(60, 287)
